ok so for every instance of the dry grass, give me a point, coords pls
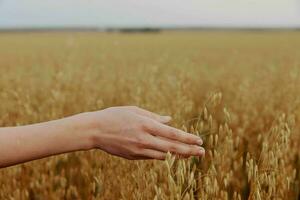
(240, 91)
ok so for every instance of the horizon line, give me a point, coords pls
(120, 28)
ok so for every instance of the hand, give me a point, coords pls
(133, 133)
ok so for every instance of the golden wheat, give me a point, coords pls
(239, 91)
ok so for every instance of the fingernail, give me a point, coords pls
(201, 151)
(166, 118)
(199, 141)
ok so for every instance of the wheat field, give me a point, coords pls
(238, 90)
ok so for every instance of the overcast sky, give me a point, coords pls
(128, 13)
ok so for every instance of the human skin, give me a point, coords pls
(128, 131)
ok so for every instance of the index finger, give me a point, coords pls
(166, 131)
(149, 114)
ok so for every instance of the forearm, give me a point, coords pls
(26, 143)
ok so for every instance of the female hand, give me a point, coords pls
(134, 133)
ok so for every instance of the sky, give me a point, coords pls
(150, 13)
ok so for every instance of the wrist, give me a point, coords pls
(81, 131)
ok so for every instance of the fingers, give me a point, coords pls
(154, 154)
(165, 145)
(163, 130)
(146, 113)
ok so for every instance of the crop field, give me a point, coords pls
(239, 90)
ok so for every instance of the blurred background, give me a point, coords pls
(227, 70)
